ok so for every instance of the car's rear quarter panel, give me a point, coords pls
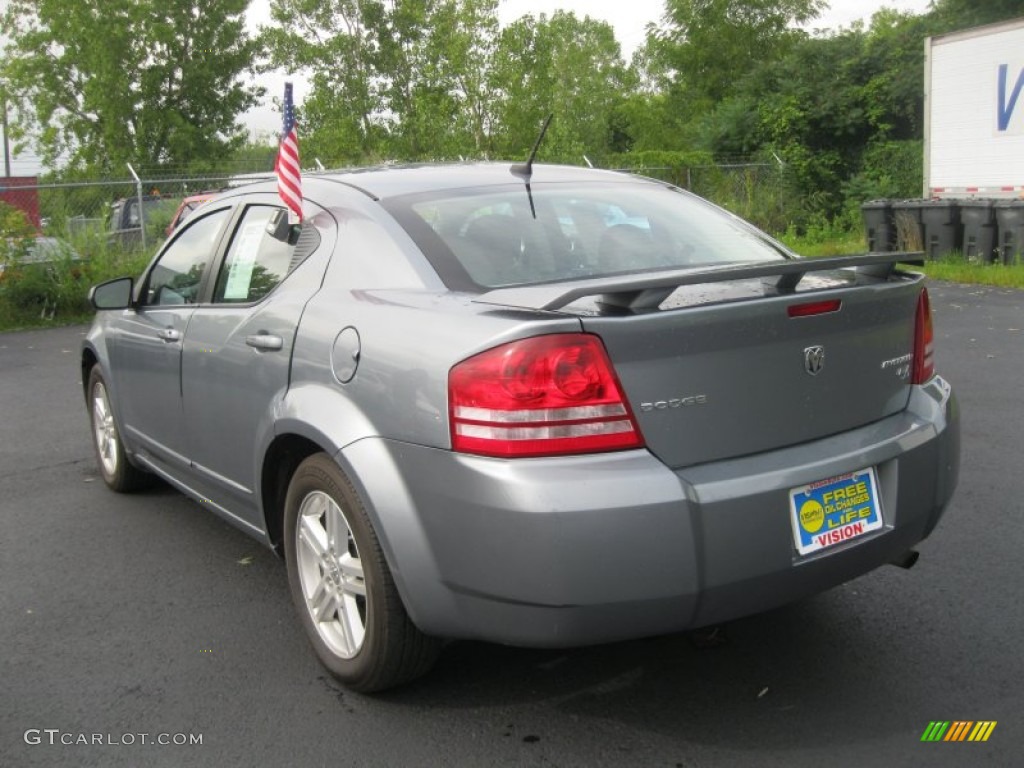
(411, 330)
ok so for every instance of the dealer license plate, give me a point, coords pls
(832, 511)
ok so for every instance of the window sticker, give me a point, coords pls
(242, 262)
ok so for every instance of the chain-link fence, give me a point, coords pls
(57, 239)
(757, 192)
(127, 214)
(131, 214)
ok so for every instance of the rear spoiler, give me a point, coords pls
(648, 290)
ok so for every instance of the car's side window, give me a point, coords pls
(133, 213)
(256, 261)
(115, 217)
(175, 278)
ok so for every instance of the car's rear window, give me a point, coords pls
(497, 236)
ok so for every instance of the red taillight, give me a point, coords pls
(542, 396)
(924, 337)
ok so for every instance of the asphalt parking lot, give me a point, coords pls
(129, 620)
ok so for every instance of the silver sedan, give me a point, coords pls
(548, 407)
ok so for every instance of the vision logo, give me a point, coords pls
(958, 730)
(1007, 103)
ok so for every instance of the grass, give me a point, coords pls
(13, 319)
(956, 270)
(952, 267)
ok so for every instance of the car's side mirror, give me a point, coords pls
(113, 294)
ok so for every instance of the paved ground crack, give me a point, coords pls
(41, 467)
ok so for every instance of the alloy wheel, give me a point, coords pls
(331, 574)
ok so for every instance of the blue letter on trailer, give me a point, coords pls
(1006, 110)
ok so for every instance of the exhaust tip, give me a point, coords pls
(907, 560)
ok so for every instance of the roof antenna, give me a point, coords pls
(526, 169)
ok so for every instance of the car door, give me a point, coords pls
(146, 343)
(237, 354)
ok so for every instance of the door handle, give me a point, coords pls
(169, 334)
(265, 342)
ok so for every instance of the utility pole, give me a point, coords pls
(7, 145)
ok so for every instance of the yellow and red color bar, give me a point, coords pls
(958, 730)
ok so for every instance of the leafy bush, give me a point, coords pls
(13, 223)
(55, 290)
(890, 169)
(45, 287)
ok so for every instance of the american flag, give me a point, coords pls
(289, 173)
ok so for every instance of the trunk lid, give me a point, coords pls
(712, 377)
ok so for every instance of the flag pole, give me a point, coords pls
(287, 167)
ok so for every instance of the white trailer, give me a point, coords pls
(974, 113)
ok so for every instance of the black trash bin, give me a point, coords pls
(878, 226)
(940, 222)
(978, 218)
(906, 221)
(1010, 220)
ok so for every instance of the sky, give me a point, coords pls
(628, 17)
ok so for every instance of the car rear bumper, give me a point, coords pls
(571, 551)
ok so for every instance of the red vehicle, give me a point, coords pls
(186, 207)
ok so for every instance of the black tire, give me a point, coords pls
(115, 469)
(363, 634)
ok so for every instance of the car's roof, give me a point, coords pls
(42, 248)
(403, 180)
(382, 182)
(145, 199)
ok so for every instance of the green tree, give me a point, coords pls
(105, 82)
(892, 64)
(333, 43)
(252, 157)
(434, 79)
(712, 44)
(648, 118)
(436, 56)
(470, 35)
(844, 111)
(564, 65)
(963, 14)
(390, 78)
(696, 59)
